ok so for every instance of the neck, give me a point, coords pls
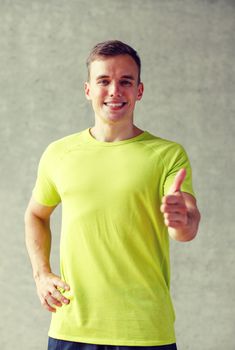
(112, 133)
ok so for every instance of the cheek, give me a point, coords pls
(133, 99)
(100, 95)
(96, 98)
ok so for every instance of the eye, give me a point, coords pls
(126, 83)
(103, 82)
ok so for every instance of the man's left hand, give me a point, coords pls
(173, 206)
(180, 211)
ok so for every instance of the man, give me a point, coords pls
(122, 191)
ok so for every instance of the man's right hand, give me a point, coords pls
(48, 289)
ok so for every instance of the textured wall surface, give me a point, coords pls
(187, 49)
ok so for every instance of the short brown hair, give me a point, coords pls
(113, 48)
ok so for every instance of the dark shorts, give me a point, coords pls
(56, 344)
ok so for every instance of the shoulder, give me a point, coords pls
(56, 150)
(162, 145)
(63, 145)
(171, 153)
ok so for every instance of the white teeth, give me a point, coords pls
(114, 104)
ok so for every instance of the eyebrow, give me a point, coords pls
(130, 77)
(101, 77)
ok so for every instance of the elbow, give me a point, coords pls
(27, 216)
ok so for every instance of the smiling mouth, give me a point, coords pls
(115, 104)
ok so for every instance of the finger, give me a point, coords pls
(61, 284)
(47, 306)
(53, 301)
(169, 208)
(176, 199)
(56, 294)
(178, 180)
(172, 217)
(174, 224)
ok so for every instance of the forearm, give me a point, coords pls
(38, 243)
(189, 231)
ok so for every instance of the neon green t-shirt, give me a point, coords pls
(114, 250)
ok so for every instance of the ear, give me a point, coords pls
(87, 90)
(140, 91)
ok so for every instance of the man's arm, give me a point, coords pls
(180, 211)
(38, 243)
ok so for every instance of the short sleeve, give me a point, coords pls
(45, 191)
(177, 159)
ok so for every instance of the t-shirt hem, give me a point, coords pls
(43, 202)
(106, 341)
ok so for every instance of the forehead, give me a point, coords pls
(121, 65)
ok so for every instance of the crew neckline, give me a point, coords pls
(93, 140)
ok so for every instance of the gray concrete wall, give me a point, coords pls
(187, 49)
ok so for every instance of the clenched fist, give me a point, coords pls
(173, 206)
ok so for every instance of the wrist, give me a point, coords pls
(37, 274)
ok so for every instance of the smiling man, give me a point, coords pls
(113, 89)
(124, 192)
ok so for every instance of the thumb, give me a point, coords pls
(178, 180)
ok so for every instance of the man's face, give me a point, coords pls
(113, 88)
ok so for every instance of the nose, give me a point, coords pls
(114, 89)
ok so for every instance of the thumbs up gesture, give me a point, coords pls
(173, 206)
